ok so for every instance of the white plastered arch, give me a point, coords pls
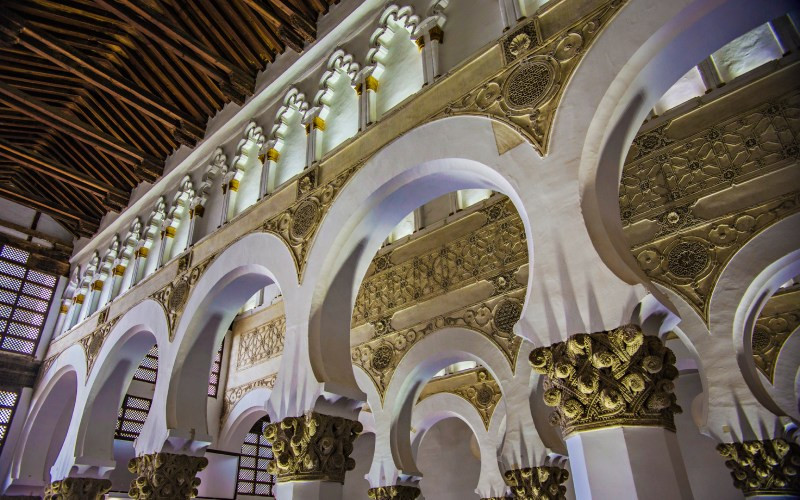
(133, 335)
(438, 407)
(178, 419)
(643, 51)
(53, 409)
(242, 417)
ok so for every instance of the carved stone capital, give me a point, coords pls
(313, 447)
(163, 476)
(537, 483)
(769, 467)
(77, 488)
(606, 379)
(396, 492)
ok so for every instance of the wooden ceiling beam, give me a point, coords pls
(202, 57)
(147, 167)
(115, 199)
(183, 126)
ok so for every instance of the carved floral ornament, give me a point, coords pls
(537, 483)
(234, 394)
(394, 492)
(480, 390)
(73, 488)
(597, 380)
(527, 92)
(173, 296)
(312, 447)
(93, 342)
(165, 476)
(770, 467)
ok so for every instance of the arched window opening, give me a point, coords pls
(209, 205)
(103, 282)
(244, 189)
(126, 263)
(151, 244)
(252, 477)
(337, 102)
(84, 296)
(397, 70)
(287, 153)
(179, 222)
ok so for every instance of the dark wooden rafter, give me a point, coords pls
(96, 94)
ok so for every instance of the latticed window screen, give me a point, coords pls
(25, 296)
(131, 417)
(8, 403)
(148, 368)
(253, 478)
(213, 381)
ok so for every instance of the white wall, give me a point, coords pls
(448, 462)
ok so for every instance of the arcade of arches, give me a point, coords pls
(450, 249)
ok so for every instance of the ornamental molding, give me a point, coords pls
(526, 93)
(671, 167)
(395, 492)
(477, 387)
(234, 394)
(93, 342)
(165, 476)
(312, 447)
(494, 251)
(493, 318)
(261, 343)
(607, 379)
(77, 488)
(298, 224)
(779, 318)
(537, 483)
(175, 294)
(764, 468)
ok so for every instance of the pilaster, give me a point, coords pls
(764, 468)
(165, 476)
(77, 488)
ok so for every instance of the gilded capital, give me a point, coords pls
(769, 467)
(395, 492)
(537, 483)
(606, 379)
(77, 488)
(312, 447)
(165, 476)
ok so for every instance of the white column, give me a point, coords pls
(627, 462)
(309, 490)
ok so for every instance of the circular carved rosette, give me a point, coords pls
(688, 259)
(304, 219)
(531, 84)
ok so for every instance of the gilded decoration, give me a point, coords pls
(234, 394)
(494, 251)
(173, 296)
(395, 492)
(93, 342)
(666, 174)
(619, 377)
(165, 476)
(77, 488)
(770, 467)
(261, 343)
(312, 447)
(380, 356)
(298, 224)
(778, 319)
(476, 386)
(537, 483)
(525, 95)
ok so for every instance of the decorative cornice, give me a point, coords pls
(396, 492)
(77, 488)
(537, 483)
(234, 394)
(165, 476)
(606, 379)
(313, 447)
(769, 467)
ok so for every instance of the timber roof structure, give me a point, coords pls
(96, 94)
